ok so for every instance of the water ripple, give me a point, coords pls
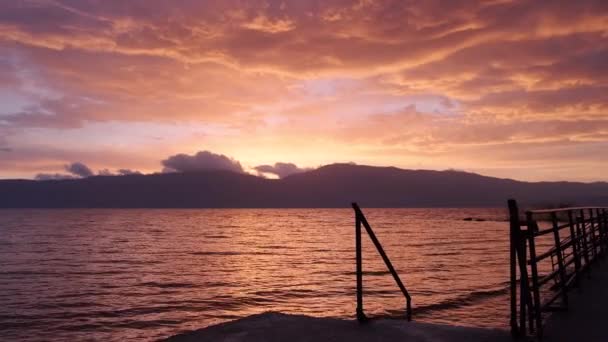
(118, 275)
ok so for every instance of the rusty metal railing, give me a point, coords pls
(361, 220)
(569, 240)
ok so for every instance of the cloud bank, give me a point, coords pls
(281, 170)
(126, 172)
(203, 160)
(52, 176)
(79, 169)
(76, 170)
(413, 84)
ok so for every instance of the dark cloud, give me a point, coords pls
(105, 172)
(125, 172)
(79, 169)
(52, 176)
(454, 48)
(281, 170)
(65, 112)
(8, 72)
(292, 35)
(119, 172)
(6, 149)
(203, 160)
(547, 101)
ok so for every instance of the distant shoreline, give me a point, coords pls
(332, 186)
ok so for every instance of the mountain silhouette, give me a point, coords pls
(335, 185)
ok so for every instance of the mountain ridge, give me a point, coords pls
(335, 185)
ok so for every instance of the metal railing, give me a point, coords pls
(361, 220)
(571, 240)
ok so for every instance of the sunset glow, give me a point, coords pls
(515, 89)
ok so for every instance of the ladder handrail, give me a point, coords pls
(360, 219)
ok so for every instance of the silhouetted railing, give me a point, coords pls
(360, 219)
(571, 240)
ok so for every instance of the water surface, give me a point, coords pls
(119, 274)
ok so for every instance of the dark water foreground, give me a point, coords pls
(148, 274)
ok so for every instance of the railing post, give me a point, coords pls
(560, 260)
(534, 270)
(574, 238)
(598, 226)
(601, 220)
(605, 220)
(525, 280)
(605, 215)
(360, 314)
(518, 253)
(593, 235)
(514, 242)
(581, 223)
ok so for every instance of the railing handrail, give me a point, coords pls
(571, 254)
(360, 219)
(556, 210)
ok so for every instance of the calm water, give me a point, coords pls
(148, 274)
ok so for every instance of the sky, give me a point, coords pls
(513, 89)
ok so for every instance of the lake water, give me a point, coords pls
(117, 274)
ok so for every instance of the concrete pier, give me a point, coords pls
(294, 328)
(586, 318)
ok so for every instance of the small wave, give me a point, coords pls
(216, 253)
(461, 300)
(291, 293)
(277, 247)
(5, 325)
(375, 273)
(231, 253)
(67, 305)
(166, 285)
(141, 324)
(27, 273)
(123, 261)
(79, 327)
(321, 250)
(111, 251)
(217, 236)
(441, 253)
(81, 294)
(351, 273)
(95, 273)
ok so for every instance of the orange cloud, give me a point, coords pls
(388, 82)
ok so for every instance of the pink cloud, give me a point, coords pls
(268, 72)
